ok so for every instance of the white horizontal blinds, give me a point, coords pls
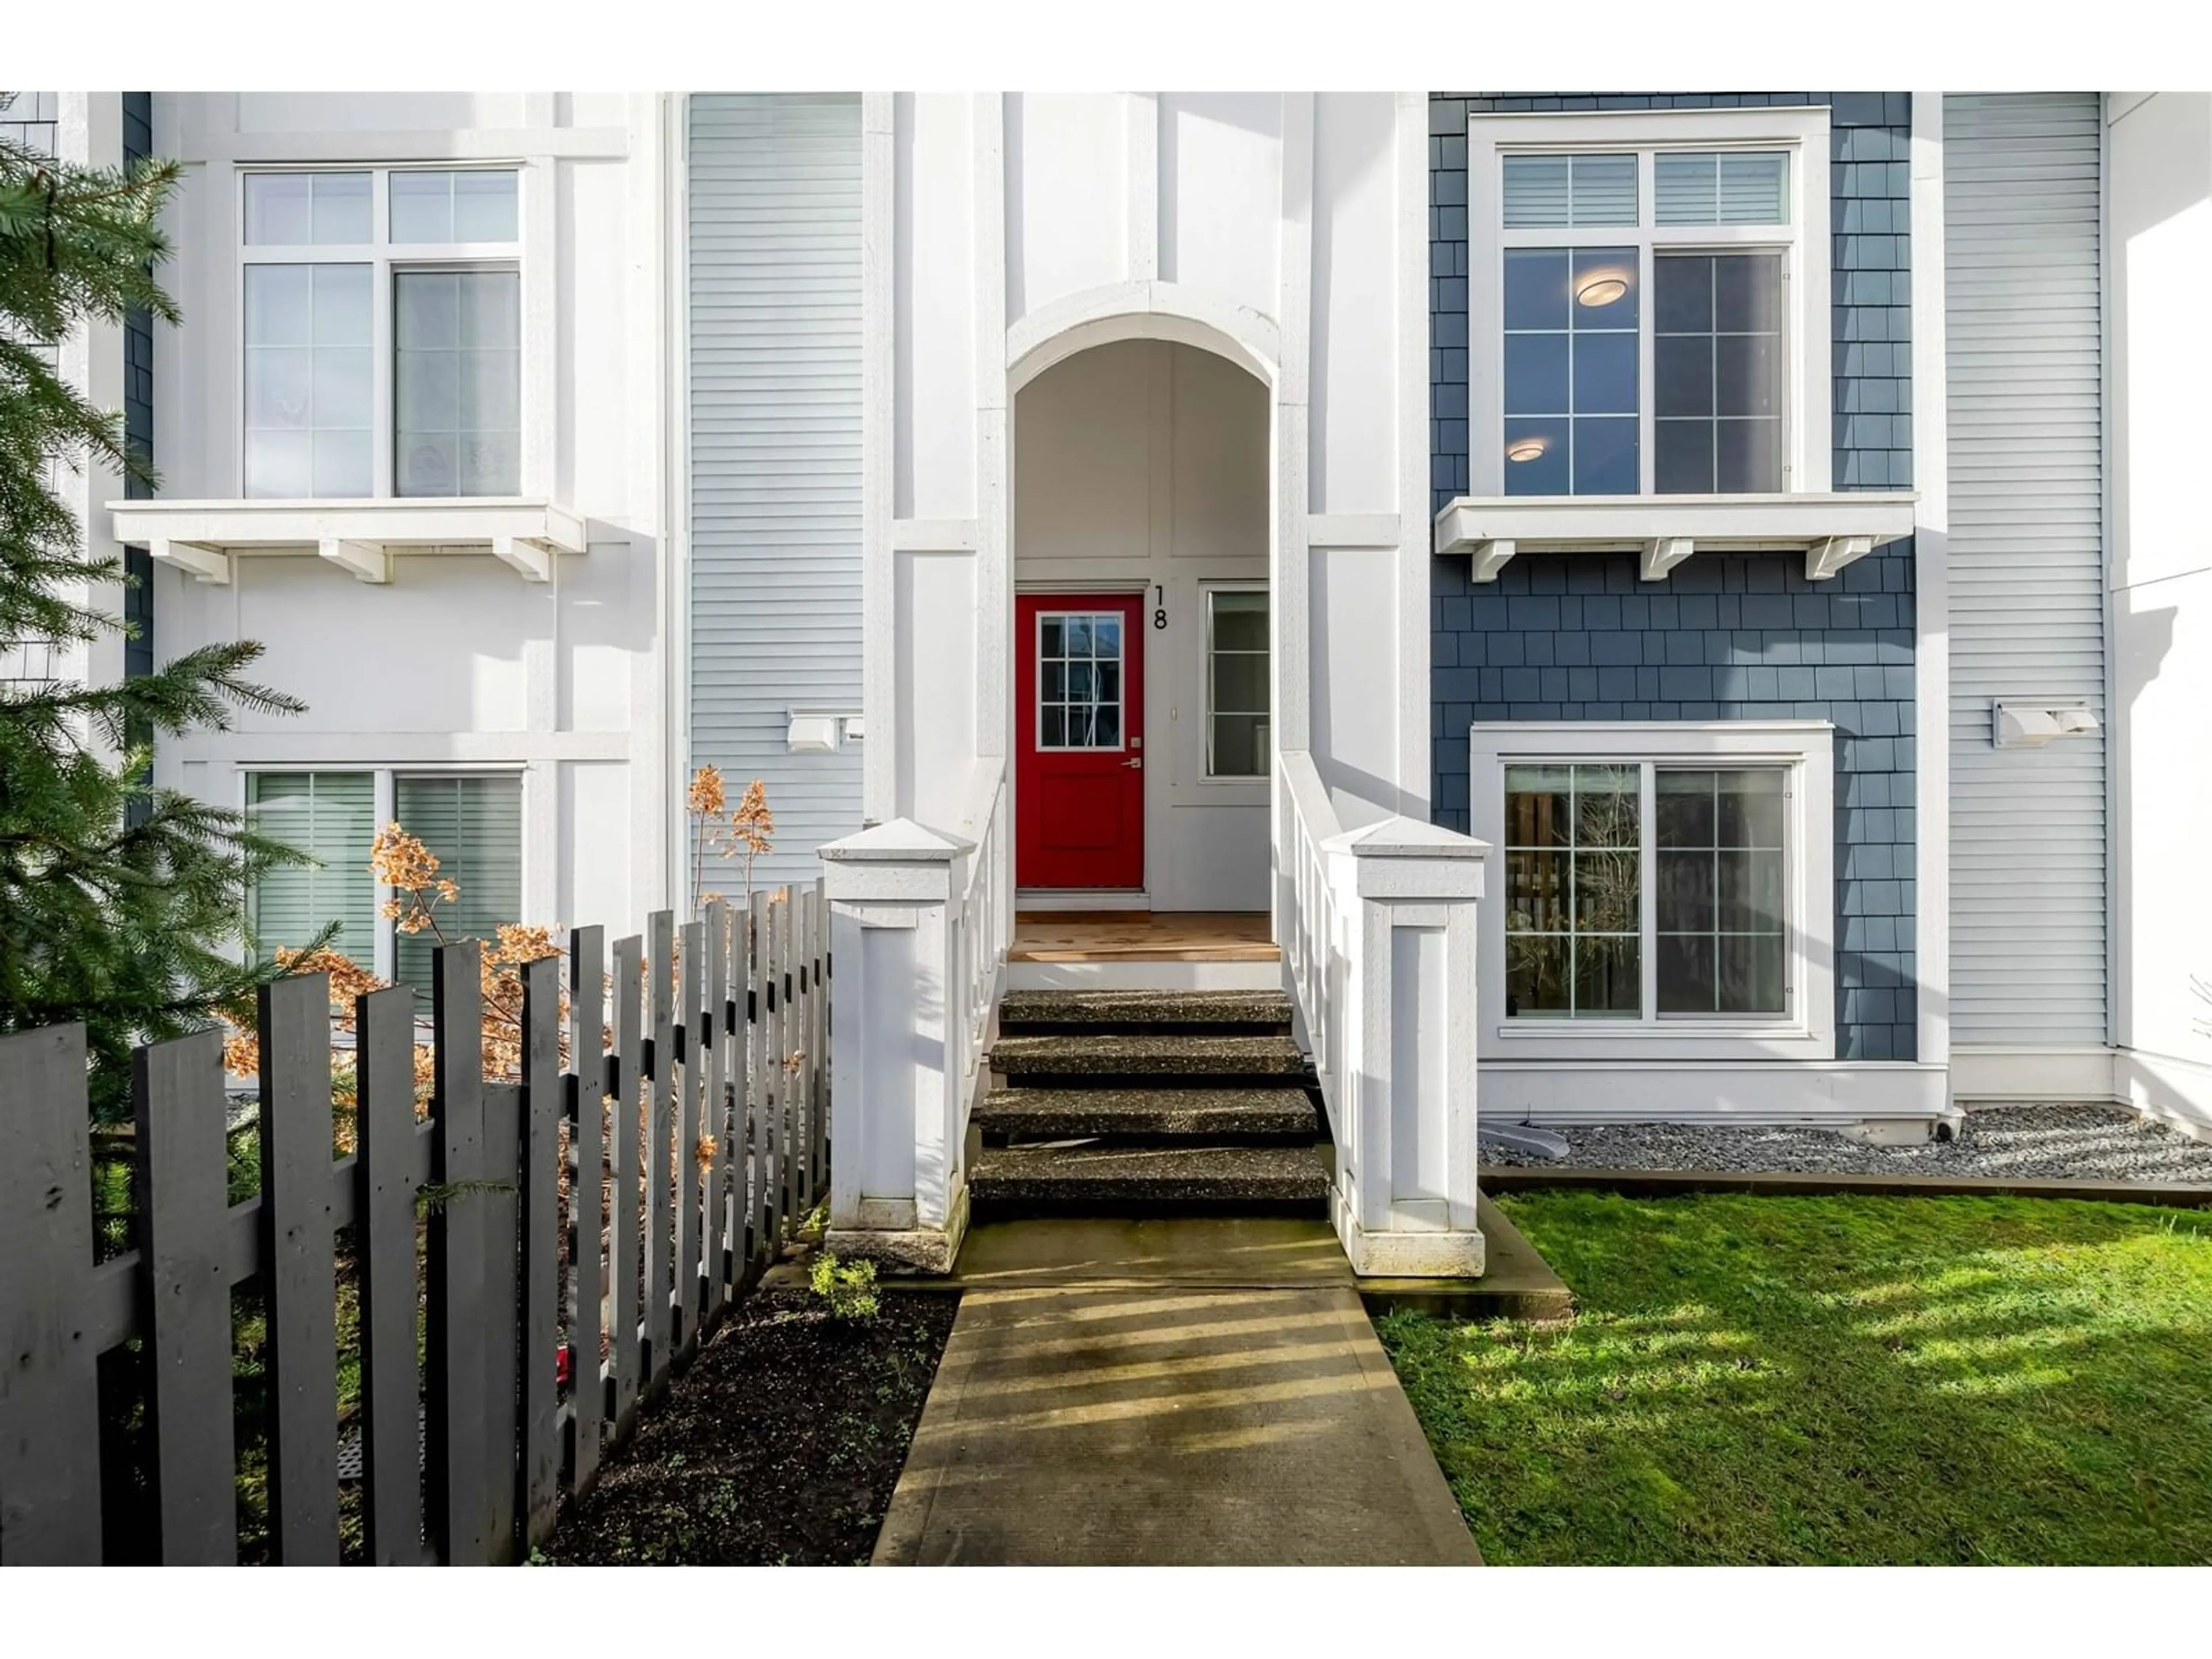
(774, 327)
(1548, 191)
(1721, 187)
(458, 338)
(474, 827)
(331, 816)
(2024, 360)
(309, 380)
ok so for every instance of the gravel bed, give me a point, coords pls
(2088, 1143)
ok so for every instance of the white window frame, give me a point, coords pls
(386, 954)
(1802, 132)
(385, 258)
(1805, 750)
(1206, 775)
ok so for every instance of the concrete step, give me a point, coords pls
(1100, 1061)
(1145, 1011)
(1086, 1179)
(1166, 1114)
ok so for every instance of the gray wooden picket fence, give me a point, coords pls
(706, 1115)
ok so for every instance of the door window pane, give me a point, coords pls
(1079, 681)
(331, 816)
(1720, 369)
(1236, 685)
(1723, 920)
(309, 387)
(1571, 391)
(474, 826)
(1573, 897)
(457, 355)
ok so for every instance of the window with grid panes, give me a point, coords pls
(1581, 843)
(1643, 303)
(1236, 683)
(382, 328)
(1080, 679)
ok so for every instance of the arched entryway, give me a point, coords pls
(1142, 731)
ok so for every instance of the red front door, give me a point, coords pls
(1079, 741)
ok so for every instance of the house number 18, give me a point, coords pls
(1160, 610)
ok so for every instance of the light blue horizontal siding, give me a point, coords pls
(775, 330)
(2023, 322)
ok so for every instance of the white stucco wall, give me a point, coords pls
(2161, 223)
(1220, 183)
(458, 661)
(935, 336)
(1067, 178)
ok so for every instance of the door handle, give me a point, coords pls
(1136, 762)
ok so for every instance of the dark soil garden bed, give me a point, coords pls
(780, 1445)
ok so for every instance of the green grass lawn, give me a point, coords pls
(1836, 1380)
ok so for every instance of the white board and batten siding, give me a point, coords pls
(2022, 179)
(775, 335)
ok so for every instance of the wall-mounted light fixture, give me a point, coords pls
(2031, 725)
(819, 731)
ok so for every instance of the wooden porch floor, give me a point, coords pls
(1142, 936)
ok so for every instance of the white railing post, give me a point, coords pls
(1405, 1071)
(899, 1044)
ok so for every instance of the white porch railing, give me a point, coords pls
(918, 930)
(1376, 927)
(979, 922)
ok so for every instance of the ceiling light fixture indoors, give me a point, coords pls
(1600, 287)
(1526, 449)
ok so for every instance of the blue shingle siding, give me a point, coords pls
(1734, 636)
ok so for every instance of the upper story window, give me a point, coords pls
(382, 326)
(1648, 304)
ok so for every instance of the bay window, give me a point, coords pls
(381, 321)
(1665, 888)
(1648, 304)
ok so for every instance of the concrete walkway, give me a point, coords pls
(1167, 1392)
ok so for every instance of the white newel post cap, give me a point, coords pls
(900, 862)
(1402, 857)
